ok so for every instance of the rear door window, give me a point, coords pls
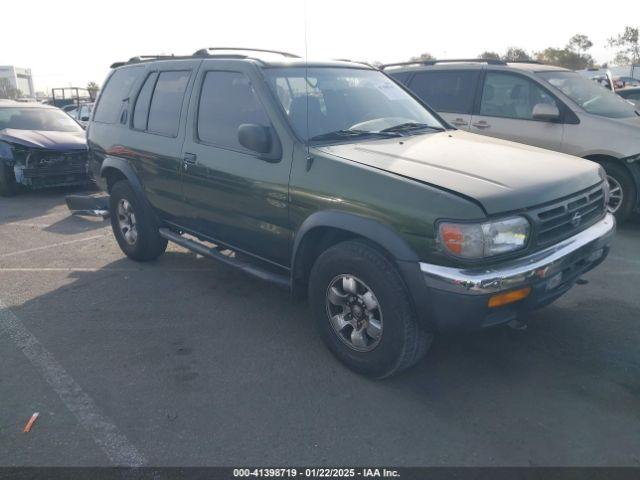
(227, 101)
(450, 91)
(115, 93)
(166, 103)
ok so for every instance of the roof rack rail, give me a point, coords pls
(490, 61)
(204, 52)
(526, 61)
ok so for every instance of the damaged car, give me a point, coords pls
(40, 146)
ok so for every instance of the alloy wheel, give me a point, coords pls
(127, 221)
(616, 195)
(354, 313)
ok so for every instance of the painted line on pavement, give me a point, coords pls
(114, 444)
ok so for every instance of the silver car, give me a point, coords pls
(540, 105)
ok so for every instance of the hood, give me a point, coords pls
(502, 176)
(49, 140)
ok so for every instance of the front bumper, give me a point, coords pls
(459, 297)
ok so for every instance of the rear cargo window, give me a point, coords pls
(166, 103)
(115, 93)
(450, 91)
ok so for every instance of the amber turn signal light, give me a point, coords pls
(509, 297)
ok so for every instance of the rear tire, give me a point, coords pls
(363, 311)
(622, 198)
(8, 186)
(134, 224)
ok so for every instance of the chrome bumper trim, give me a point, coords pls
(521, 271)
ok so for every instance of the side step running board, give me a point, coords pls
(250, 268)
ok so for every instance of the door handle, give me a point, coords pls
(459, 122)
(481, 124)
(190, 159)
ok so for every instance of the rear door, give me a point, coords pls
(157, 132)
(505, 110)
(232, 195)
(449, 92)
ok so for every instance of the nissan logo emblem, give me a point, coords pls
(576, 219)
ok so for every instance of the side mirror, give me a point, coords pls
(546, 112)
(259, 139)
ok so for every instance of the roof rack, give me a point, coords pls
(490, 61)
(204, 52)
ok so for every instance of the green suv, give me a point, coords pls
(333, 181)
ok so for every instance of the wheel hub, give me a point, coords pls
(127, 221)
(354, 312)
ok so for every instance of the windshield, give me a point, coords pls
(347, 103)
(592, 97)
(37, 119)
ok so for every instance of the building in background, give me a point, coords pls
(18, 78)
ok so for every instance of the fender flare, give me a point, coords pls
(369, 228)
(125, 168)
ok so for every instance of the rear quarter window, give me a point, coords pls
(450, 91)
(115, 93)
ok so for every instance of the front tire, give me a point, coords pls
(622, 191)
(134, 225)
(8, 186)
(363, 311)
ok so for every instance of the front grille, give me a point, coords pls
(567, 217)
(44, 164)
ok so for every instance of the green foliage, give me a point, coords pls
(489, 56)
(422, 57)
(629, 44)
(515, 54)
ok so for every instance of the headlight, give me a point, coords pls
(480, 240)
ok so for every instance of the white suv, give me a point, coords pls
(540, 105)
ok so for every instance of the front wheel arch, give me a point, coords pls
(610, 163)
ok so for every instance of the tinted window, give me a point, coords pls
(446, 91)
(141, 110)
(166, 104)
(402, 77)
(511, 96)
(114, 93)
(226, 102)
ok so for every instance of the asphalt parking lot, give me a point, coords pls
(185, 362)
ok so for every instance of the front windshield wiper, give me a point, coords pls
(410, 126)
(351, 133)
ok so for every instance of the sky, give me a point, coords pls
(73, 42)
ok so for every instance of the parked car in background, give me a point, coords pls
(40, 146)
(81, 113)
(540, 105)
(605, 81)
(631, 94)
(331, 180)
(629, 82)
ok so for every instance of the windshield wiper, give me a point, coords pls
(351, 133)
(410, 126)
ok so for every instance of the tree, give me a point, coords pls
(8, 91)
(629, 43)
(489, 56)
(93, 89)
(579, 43)
(515, 54)
(563, 57)
(423, 57)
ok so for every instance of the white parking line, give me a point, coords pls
(53, 245)
(115, 445)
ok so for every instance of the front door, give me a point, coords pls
(506, 111)
(231, 194)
